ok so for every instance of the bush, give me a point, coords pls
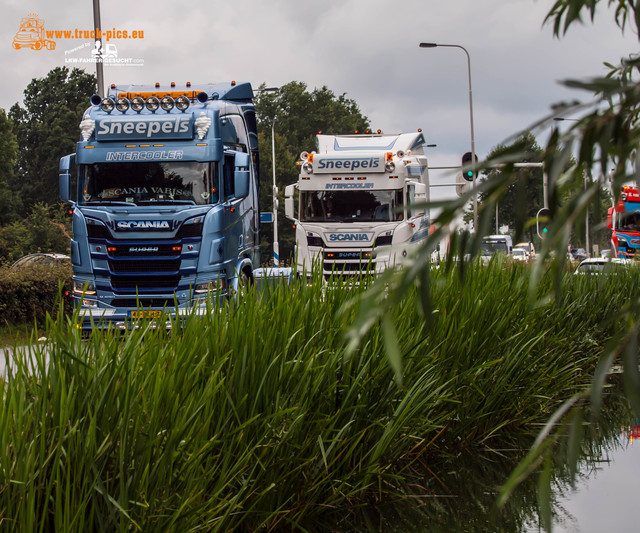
(28, 294)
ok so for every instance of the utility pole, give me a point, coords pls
(97, 27)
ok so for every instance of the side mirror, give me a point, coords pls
(241, 175)
(241, 183)
(65, 177)
(289, 209)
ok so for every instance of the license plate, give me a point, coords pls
(145, 313)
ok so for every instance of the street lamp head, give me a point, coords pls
(428, 45)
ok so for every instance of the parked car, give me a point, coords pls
(599, 265)
(529, 249)
(32, 260)
(520, 254)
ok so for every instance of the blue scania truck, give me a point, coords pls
(165, 203)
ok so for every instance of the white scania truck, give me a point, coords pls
(358, 202)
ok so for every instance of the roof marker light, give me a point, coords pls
(173, 84)
(188, 84)
(157, 85)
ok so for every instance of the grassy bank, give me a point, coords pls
(254, 416)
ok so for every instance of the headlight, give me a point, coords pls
(211, 287)
(314, 240)
(84, 287)
(182, 102)
(137, 104)
(167, 103)
(122, 104)
(307, 167)
(389, 166)
(152, 104)
(107, 105)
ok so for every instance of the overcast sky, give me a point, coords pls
(367, 49)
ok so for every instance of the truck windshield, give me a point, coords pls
(491, 247)
(189, 182)
(628, 221)
(351, 206)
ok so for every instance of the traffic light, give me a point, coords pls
(468, 172)
(543, 222)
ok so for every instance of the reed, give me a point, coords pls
(256, 416)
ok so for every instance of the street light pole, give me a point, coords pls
(473, 143)
(276, 246)
(586, 177)
(96, 27)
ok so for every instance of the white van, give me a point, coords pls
(495, 244)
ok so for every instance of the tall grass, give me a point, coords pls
(254, 416)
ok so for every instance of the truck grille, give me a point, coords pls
(348, 264)
(161, 283)
(144, 265)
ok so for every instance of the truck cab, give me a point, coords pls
(165, 203)
(360, 203)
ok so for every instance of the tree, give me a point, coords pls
(46, 129)
(524, 196)
(46, 229)
(8, 155)
(299, 115)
